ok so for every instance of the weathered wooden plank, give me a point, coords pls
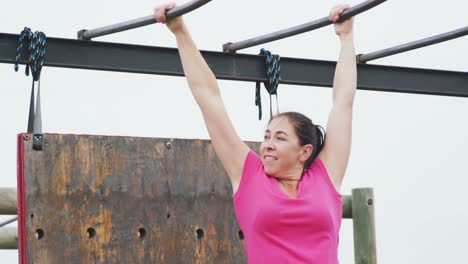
(91, 199)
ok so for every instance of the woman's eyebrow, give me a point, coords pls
(277, 132)
(282, 132)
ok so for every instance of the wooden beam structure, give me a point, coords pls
(98, 199)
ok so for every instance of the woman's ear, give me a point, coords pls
(306, 152)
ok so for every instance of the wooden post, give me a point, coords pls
(365, 251)
(8, 202)
(8, 238)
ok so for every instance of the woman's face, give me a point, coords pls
(280, 151)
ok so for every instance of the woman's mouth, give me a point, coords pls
(269, 158)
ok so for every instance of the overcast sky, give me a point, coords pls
(411, 149)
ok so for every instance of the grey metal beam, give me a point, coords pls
(362, 58)
(93, 55)
(316, 24)
(139, 22)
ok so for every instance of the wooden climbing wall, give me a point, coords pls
(102, 199)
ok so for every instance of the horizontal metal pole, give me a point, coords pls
(8, 204)
(93, 55)
(362, 58)
(233, 47)
(8, 238)
(139, 22)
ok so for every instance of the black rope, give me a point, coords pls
(36, 52)
(271, 85)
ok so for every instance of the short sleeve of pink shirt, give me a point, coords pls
(281, 229)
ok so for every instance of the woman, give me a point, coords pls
(286, 200)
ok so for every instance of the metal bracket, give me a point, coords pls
(359, 59)
(80, 35)
(227, 48)
(38, 142)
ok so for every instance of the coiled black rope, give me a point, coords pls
(273, 73)
(36, 52)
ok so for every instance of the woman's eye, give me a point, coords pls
(266, 137)
(282, 139)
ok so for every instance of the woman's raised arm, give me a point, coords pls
(337, 148)
(231, 150)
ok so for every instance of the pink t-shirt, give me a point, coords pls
(280, 229)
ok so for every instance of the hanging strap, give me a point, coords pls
(36, 51)
(271, 85)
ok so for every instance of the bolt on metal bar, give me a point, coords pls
(8, 221)
(363, 58)
(139, 22)
(364, 6)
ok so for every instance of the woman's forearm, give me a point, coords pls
(200, 78)
(345, 81)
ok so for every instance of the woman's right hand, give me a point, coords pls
(175, 24)
(343, 28)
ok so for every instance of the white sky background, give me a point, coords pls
(410, 148)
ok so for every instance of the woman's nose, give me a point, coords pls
(269, 144)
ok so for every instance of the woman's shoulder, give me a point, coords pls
(252, 161)
(252, 166)
(319, 168)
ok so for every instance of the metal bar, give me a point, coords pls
(9, 238)
(8, 203)
(365, 249)
(92, 55)
(233, 47)
(139, 22)
(9, 221)
(363, 58)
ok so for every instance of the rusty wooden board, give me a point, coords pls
(102, 199)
